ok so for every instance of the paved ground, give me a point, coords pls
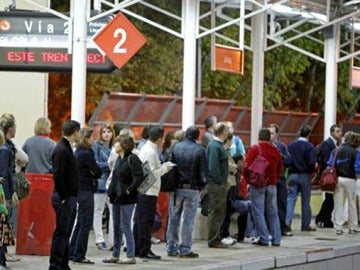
(209, 258)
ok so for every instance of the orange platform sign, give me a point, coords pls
(355, 77)
(229, 59)
(119, 40)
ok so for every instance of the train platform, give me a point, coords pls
(321, 249)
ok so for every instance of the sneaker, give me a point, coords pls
(11, 258)
(353, 231)
(83, 261)
(190, 255)
(111, 259)
(127, 261)
(102, 246)
(155, 241)
(2, 267)
(339, 232)
(286, 233)
(251, 239)
(227, 241)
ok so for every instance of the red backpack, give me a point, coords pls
(255, 174)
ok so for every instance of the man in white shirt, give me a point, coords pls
(146, 205)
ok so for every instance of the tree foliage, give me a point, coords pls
(292, 80)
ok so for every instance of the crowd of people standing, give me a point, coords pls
(84, 172)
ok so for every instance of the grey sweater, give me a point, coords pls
(39, 149)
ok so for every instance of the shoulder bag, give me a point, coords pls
(328, 179)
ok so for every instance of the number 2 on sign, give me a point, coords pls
(117, 47)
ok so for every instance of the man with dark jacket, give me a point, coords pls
(191, 162)
(323, 219)
(63, 199)
(302, 165)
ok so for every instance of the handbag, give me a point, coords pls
(328, 179)
(255, 174)
(149, 179)
(23, 185)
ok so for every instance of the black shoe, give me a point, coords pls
(190, 255)
(150, 256)
(309, 229)
(261, 243)
(83, 261)
(218, 245)
(173, 254)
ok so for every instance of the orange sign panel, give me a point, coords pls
(229, 59)
(355, 77)
(120, 40)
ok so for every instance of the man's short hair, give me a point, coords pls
(305, 130)
(210, 120)
(145, 132)
(333, 127)
(264, 134)
(275, 126)
(192, 133)
(220, 129)
(156, 133)
(70, 127)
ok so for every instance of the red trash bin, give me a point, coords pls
(36, 217)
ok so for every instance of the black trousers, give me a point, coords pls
(282, 202)
(65, 215)
(326, 210)
(144, 220)
(85, 218)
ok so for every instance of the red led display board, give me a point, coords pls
(38, 41)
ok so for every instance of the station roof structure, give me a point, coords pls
(286, 22)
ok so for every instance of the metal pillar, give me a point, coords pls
(78, 94)
(332, 37)
(258, 39)
(189, 29)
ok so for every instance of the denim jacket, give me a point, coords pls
(102, 153)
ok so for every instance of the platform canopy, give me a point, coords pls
(335, 24)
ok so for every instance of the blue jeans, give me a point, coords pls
(265, 213)
(185, 209)
(122, 215)
(299, 183)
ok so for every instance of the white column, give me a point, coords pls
(190, 11)
(258, 39)
(331, 53)
(78, 95)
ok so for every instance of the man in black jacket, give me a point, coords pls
(323, 219)
(191, 162)
(63, 199)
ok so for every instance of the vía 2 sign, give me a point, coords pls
(37, 41)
